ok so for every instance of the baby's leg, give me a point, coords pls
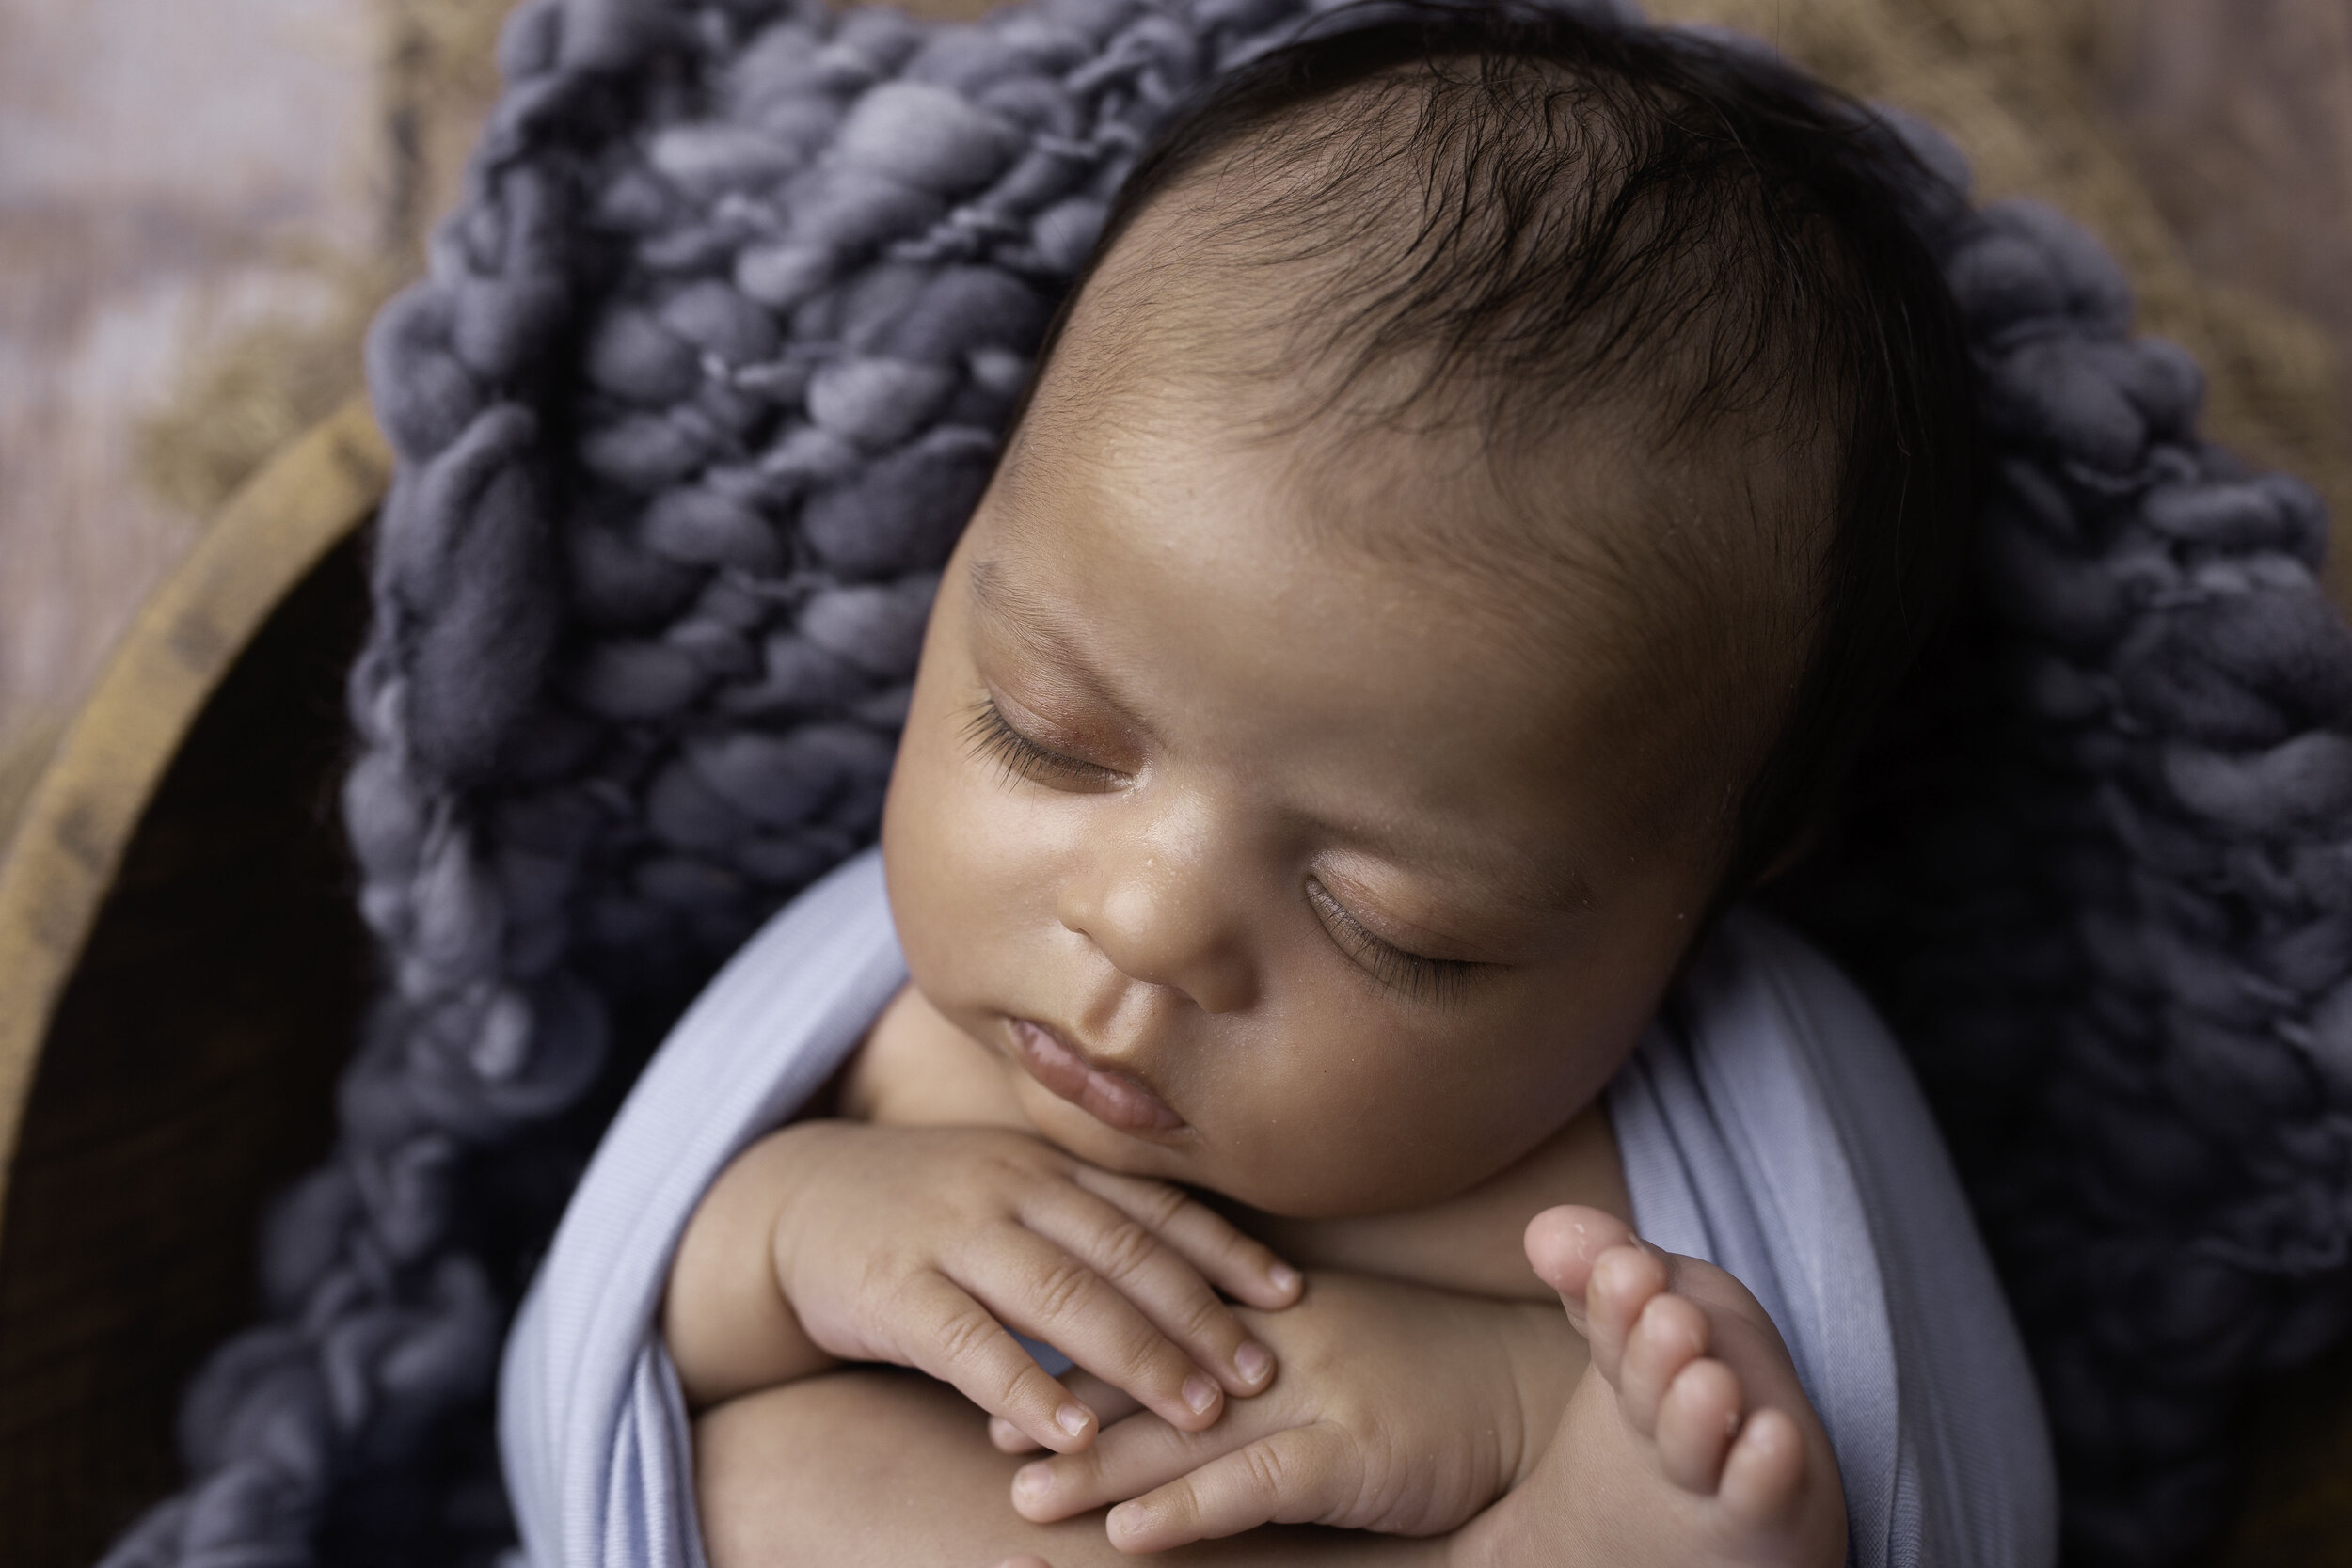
(895, 1471)
(1688, 1440)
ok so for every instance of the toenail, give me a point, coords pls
(1200, 1393)
(1253, 1361)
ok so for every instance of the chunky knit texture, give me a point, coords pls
(710, 367)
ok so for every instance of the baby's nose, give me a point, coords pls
(1164, 925)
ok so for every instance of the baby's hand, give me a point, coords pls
(1399, 1408)
(921, 1246)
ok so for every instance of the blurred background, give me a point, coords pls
(202, 200)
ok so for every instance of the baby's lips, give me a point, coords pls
(1114, 1098)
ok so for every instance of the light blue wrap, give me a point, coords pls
(1767, 1123)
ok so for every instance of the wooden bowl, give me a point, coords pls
(182, 968)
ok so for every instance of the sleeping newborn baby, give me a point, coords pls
(1456, 535)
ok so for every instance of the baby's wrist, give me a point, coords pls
(729, 1324)
(790, 1156)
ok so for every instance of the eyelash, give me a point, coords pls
(1439, 981)
(990, 738)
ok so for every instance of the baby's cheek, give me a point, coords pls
(927, 848)
(957, 852)
(1362, 1120)
(1328, 1113)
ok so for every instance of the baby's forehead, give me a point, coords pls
(1567, 566)
(1545, 508)
(1203, 311)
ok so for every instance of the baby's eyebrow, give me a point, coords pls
(1031, 621)
(1519, 885)
(1019, 611)
(1479, 871)
(992, 592)
(1523, 886)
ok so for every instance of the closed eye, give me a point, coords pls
(989, 737)
(1439, 982)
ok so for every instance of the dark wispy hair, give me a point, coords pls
(1605, 218)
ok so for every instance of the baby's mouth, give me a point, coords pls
(1117, 1098)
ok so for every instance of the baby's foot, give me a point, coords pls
(1688, 1440)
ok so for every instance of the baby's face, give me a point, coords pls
(1255, 861)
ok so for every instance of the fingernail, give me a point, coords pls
(1072, 1419)
(1032, 1481)
(1282, 1276)
(1200, 1393)
(1253, 1361)
(1126, 1519)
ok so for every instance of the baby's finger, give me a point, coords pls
(1111, 1406)
(1037, 1288)
(1145, 1268)
(1006, 1438)
(1240, 1265)
(958, 1342)
(1129, 1459)
(1108, 1402)
(1295, 1476)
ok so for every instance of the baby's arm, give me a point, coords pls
(836, 1241)
(728, 1328)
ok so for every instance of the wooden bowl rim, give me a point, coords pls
(86, 806)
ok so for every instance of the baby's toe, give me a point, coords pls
(1564, 1242)
(1625, 1281)
(1697, 1419)
(1764, 1472)
(1670, 1333)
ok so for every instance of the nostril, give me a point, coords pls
(1161, 928)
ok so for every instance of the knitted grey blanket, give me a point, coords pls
(710, 364)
